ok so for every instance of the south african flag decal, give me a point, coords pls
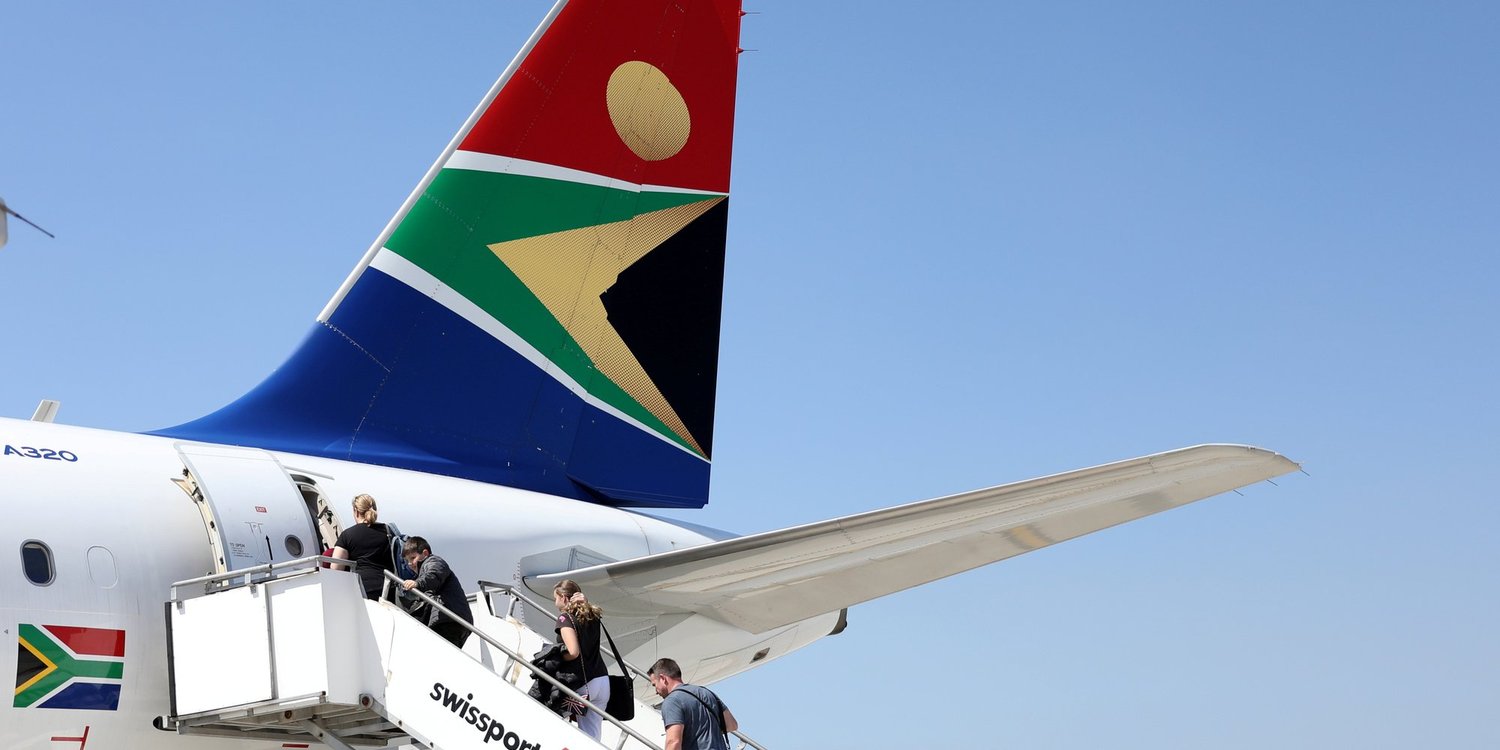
(58, 666)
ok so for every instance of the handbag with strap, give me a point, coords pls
(621, 703)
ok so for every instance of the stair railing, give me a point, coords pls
(392, 578)
(261, 574)
(217, 582)
(517, 594)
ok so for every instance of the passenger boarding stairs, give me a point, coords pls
(293, 651)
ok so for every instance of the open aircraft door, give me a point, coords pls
(252, 509)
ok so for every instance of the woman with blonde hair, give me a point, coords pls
(368, 544)
(578, 627)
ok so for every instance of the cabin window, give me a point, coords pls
(36, 561)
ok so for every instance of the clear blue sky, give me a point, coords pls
(970, 243)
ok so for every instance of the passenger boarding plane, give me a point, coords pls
(522, 363)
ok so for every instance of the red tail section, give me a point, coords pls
(663, 113)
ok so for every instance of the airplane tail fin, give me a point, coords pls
(543, 312)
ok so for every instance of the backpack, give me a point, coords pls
(397, 542)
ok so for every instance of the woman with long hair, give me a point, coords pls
(578, 627)
(368, 545)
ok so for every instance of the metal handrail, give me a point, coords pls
(524, 662)
(516, 594)
(269, 569)
(314, 563)
(512, 591)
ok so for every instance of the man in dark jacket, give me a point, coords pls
(437, 580)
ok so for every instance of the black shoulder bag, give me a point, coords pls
(621, 703)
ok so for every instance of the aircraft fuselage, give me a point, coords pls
(120, 531)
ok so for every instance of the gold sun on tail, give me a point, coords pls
(647, 111)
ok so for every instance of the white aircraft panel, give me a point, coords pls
(258, 514)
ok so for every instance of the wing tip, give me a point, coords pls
(1243, 451)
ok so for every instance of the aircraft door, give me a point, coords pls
(253, 511)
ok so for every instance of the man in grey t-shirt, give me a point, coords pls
(695, 718)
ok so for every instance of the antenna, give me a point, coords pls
(7, 211)
(46, 411)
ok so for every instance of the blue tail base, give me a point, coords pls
(396, 379)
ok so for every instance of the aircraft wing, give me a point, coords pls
(763, 581)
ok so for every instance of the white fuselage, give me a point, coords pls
(120, 532)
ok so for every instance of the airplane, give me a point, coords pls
(520, 368)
